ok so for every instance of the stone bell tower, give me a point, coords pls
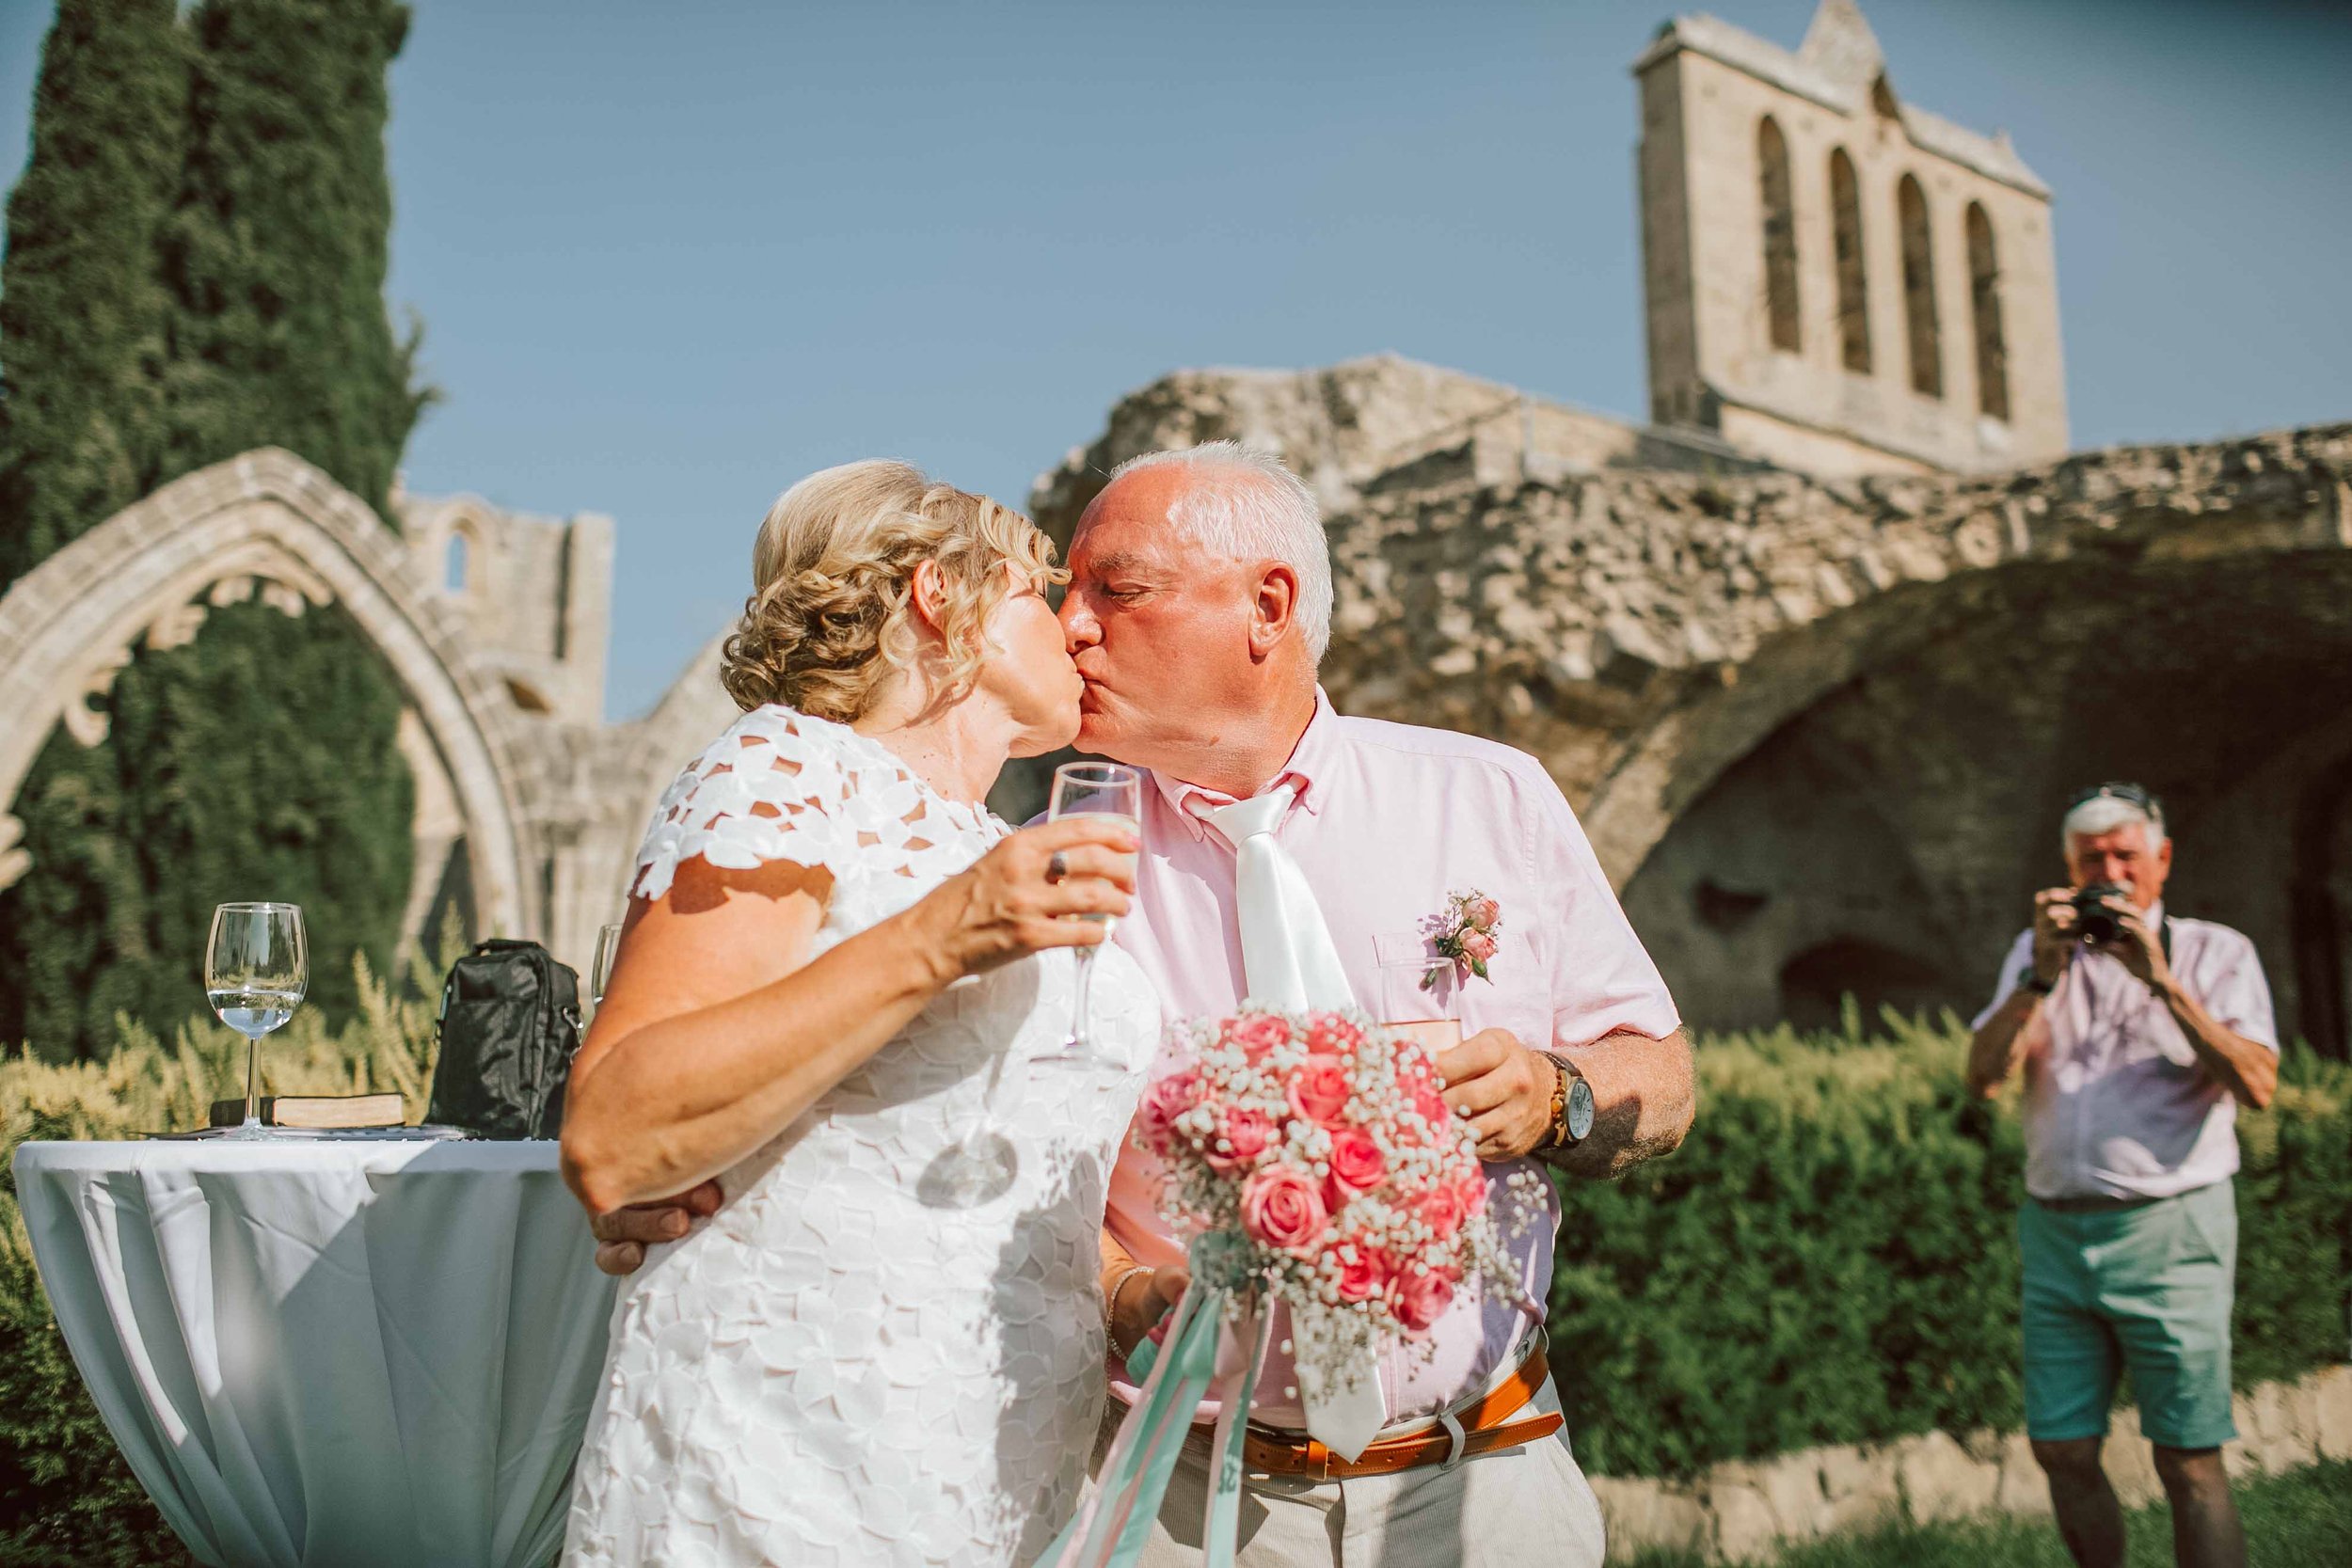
(1836, 280)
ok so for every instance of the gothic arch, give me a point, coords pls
(1854, 279)
(1922, 328)
(265, 522)
(1984, 307)
(1963, 573)
(1776, 198)
(1865, 804)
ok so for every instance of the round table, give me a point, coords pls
(317, 1350)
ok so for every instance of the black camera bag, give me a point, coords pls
(510, 1022)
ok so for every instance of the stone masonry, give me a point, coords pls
(1836, 278)
(1821, 730)
(1751, 1511)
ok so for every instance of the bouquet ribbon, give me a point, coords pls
(1214, 1348)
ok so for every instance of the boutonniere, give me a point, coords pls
(1465, 932)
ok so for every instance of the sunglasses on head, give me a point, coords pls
(2131, 794)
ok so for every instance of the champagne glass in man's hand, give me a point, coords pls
(256, 968)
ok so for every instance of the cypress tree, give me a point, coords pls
(83, 310)
(258, 761)
(279, 252)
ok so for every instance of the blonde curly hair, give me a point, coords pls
(828, 619)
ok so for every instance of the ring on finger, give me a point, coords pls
(1056, 867)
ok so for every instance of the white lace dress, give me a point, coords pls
(835, 1368)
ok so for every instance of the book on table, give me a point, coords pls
(316, 1110)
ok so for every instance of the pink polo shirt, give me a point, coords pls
(1388, 820)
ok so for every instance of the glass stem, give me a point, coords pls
(253, 1095)
(1080, 1028)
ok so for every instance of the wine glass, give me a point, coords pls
(1093, 789)
(1420, 996)
(256, 968)
(601, 972)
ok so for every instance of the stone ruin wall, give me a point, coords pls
(1821, 731)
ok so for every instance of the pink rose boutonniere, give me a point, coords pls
(1465, 932)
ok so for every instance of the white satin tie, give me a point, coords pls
(1288, 960)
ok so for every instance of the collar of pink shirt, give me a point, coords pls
(1309, 762)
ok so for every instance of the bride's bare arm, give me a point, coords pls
(716, 1032)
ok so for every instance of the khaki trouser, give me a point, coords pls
(1526, 1507)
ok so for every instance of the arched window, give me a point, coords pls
(1984, 299)
(456, 563)
(1780, 236)
(1853, 284)
(1927, 354)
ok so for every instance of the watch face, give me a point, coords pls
(1579, 1110)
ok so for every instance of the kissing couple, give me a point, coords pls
(839, 968)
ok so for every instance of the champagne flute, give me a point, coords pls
(1419, 995)
(256, 968)
(1093, 789)
(601, 972)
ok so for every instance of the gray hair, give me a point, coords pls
(2104, 814)
(1268, 516)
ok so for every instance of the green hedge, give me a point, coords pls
(66, 1497)
(1831, 1258)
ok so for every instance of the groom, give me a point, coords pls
(1198, 609)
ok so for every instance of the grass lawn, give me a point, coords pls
(2300, 1520)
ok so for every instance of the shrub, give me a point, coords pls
(1832, 1257)
(66, 1496)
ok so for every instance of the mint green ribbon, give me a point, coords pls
(1115, 1525)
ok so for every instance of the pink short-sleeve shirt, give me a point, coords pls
(1388, 820)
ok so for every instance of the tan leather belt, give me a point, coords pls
(1484, 1428)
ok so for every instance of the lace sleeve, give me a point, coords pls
(768, 789)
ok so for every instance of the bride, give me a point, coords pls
(833, 951)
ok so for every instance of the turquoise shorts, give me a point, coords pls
(2149, 1288)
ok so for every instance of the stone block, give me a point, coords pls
(1861, 1487)
(2131, 1467)
(1792, 1484)
(1745, 1531)
(2290, 1416)
(2247, 1453)
(1642, 1515)
(1941, 1482)
(2332, 1402)
(2022, 1488)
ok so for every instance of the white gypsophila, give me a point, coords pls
(1383, 1259)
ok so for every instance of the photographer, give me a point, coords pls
(2140, 1035)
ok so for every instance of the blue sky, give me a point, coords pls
(670, 258)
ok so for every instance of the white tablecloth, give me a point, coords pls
(331, 1353)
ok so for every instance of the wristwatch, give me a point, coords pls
(1571, 1108)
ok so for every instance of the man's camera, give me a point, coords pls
(2099, 912)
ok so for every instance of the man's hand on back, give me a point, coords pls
(622, 1234)
(1505, 1089)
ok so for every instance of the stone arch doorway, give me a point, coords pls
(271, 524)
(1886, 783)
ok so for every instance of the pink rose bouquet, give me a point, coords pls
(1312, 1160)
(1311, 1165)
